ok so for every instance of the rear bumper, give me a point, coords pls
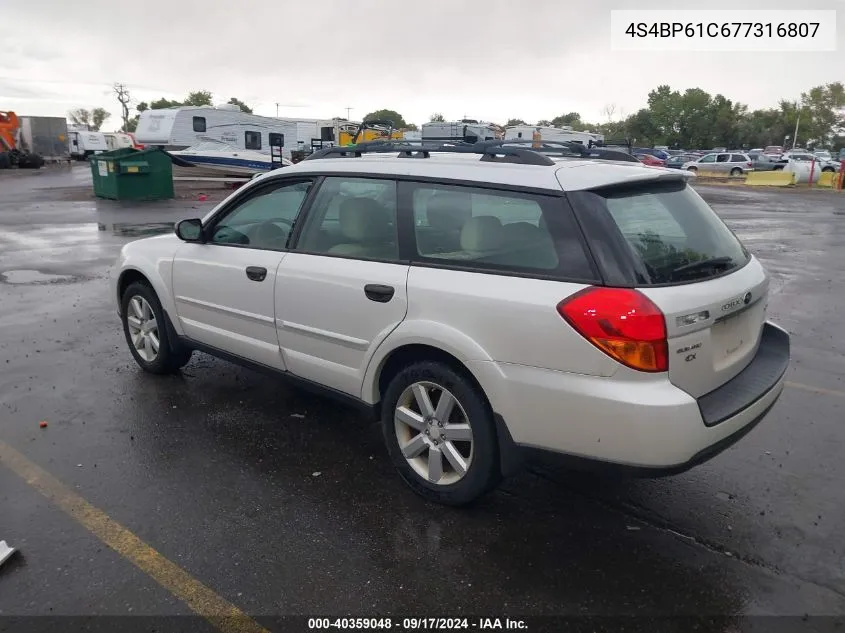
(634, 422)
(763, 373)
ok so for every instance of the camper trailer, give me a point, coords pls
(549, 133)
(335, 131)
(118, 140)
(186, 126)
(465, 130)
(83, 143)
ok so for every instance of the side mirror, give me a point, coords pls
(190, 230)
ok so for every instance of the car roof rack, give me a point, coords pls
(572, 149)
(422, 149)
(521, 152)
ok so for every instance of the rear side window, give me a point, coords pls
(738, 158)
(658, 234)
(471, 227)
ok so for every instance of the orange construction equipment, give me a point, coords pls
(9, 125)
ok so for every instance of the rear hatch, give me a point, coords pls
(664, 240)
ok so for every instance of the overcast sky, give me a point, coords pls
(487, 59)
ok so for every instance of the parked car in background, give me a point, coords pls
(823, 165)
(677, 161)
(823, 154)
(649, 160)
(657, 153)
(842, 154)
(766, 162)
(774, 149)
(731, 163)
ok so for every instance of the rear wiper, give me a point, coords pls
(713, 262)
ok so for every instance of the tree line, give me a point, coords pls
(695, 119)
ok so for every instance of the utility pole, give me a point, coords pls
(277, 110)
(348, 110)
(122, 93)
(795, 136)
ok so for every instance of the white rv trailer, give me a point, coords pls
(82, 143)
(118, 140)
(548, 133)
(185, 126)
(329, 130)
(467, 130)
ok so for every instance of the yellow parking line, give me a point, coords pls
(219, 612)
(827, 392)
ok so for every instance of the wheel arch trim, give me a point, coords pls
(435, 335)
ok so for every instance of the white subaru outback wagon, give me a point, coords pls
(485, 303)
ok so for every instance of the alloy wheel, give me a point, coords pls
(143, 328)
(434, 433)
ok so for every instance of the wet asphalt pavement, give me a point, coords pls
(286, 504)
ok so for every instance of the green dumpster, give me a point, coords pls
(132, 174)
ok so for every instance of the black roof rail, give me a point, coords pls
(568, 149)
(492, 151)
(516, 151)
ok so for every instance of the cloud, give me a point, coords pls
(490, 59)
(18, 90)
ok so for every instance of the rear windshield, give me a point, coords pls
(670, 234)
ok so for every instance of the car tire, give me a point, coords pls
(410, 445)
(828, 169)
(778, 168)
(736, 171)
(151, 346)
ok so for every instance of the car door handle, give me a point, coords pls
(256, 273)
(379, 292)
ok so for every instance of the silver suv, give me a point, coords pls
(485, 302)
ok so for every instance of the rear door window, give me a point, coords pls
(657, 234)
(352, 217)
(506, 231)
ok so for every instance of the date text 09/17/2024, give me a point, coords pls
(417, 624)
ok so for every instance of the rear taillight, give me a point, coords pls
(750, 164)
(621, 322)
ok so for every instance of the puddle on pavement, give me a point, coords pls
(34, 277)
(136, 229)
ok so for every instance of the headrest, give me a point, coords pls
(364, 219)
(482, 233)
(542, 223)
(523, 231)
(449, 210)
